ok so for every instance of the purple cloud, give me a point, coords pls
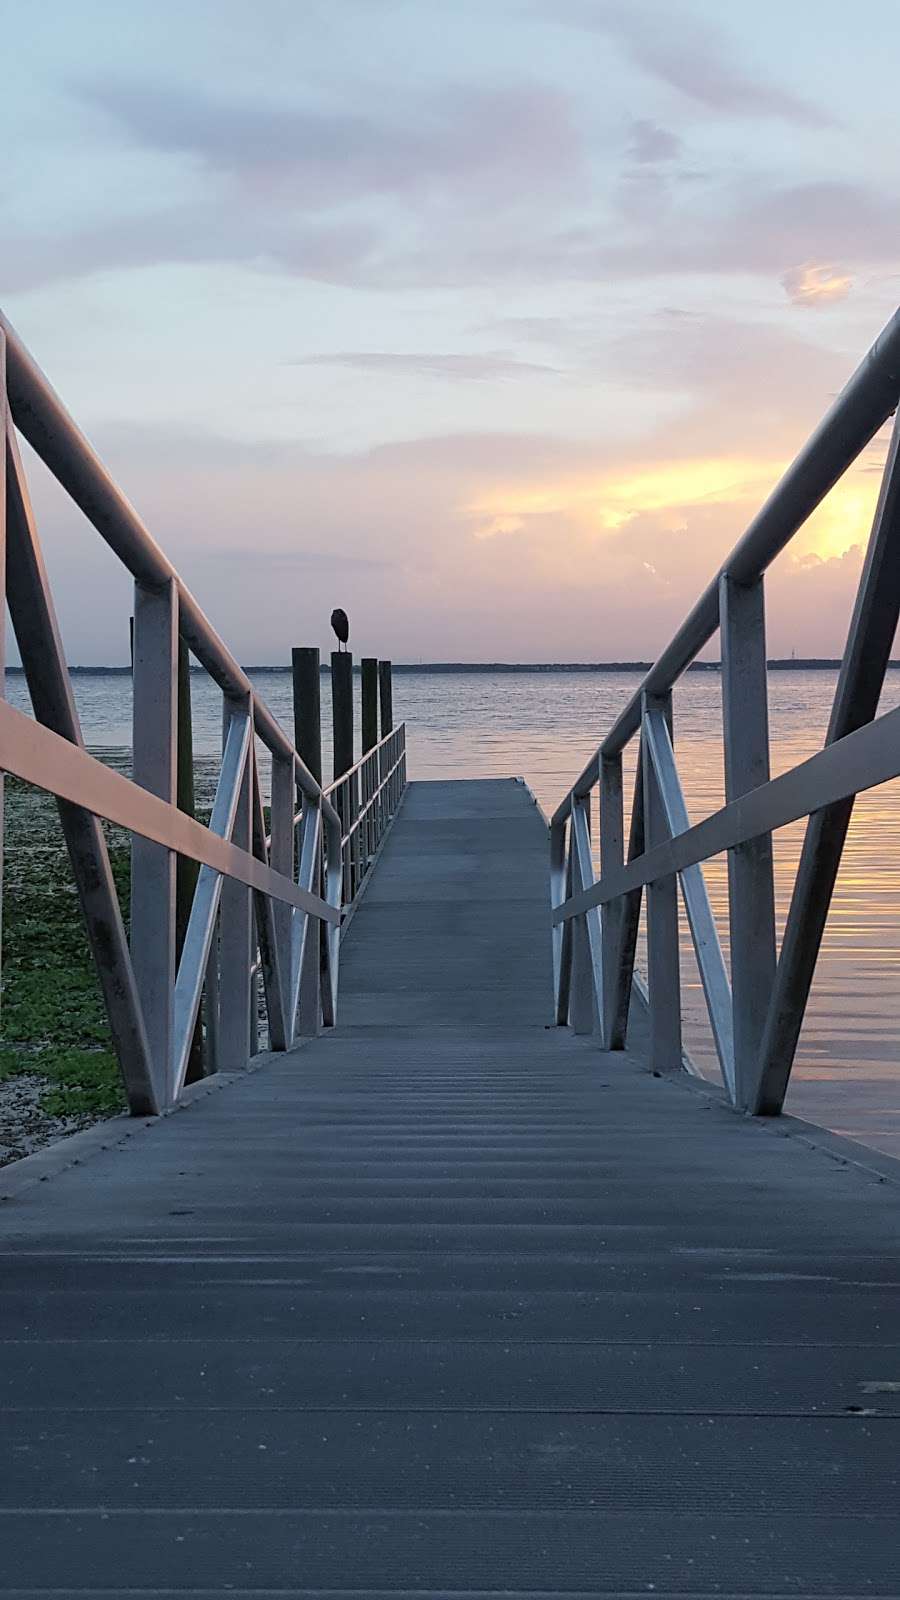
(745, 227)
(734, 229)
(691, 57)
(395, 193)
(498, 143)
(330, 251)
(492, 364)
(650, 143)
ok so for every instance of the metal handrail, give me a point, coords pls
(336, 783)
(366, 757)
(359, 820)
(378, 812)
(756, 1015)
(42, 419)
(367, 796)
(862, 407)
(389, 792)
(287, 885)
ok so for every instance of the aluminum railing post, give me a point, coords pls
(751, 891)
(866, 655)
(236, 924)
(663, 955)
(314, 952)
(153, 930)
(612, 855)
(581, 991)
(622, 975)
(281, 858)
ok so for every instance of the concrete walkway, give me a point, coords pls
(450, 1303)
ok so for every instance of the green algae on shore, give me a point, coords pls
(54, 1035)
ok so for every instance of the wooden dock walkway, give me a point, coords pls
(447, 1302)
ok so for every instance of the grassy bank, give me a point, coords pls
(57, 1068)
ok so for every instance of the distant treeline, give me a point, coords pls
(792, 664)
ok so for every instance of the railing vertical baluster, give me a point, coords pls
(751, 892)
(154, 710)
(562, 848)
(186, 870)
(314, 951)
(281, 858)
(356, 849)
(663, 971)
(581, 993)
(612, 855)
(369, 813)
(369, 722)
(308, 739)
(265, 922)
(628, 924)
(362, 831)
(330, 947)
(342, 806)
(622, 977)
(559, 943)
(235, 925)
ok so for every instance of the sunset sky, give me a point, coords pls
(492, 321)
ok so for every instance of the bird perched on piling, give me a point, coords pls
(341, 625)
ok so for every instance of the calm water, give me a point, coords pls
(543, 727)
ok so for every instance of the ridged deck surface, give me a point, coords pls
(450, 1303)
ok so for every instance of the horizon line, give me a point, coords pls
(773, 664)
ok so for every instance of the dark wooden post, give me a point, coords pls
(385, 685)
(342, 710)
(186, 871)
(342, 725)
(369, 668)
(370, 779)
(308, 708)
(307, 680)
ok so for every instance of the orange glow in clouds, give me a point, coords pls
(605, 502)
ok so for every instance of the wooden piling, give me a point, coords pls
(342, 710)
(385, 686)
(305, 668)
(369, 670)
(342, 726)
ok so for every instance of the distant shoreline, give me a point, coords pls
(435, 668)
